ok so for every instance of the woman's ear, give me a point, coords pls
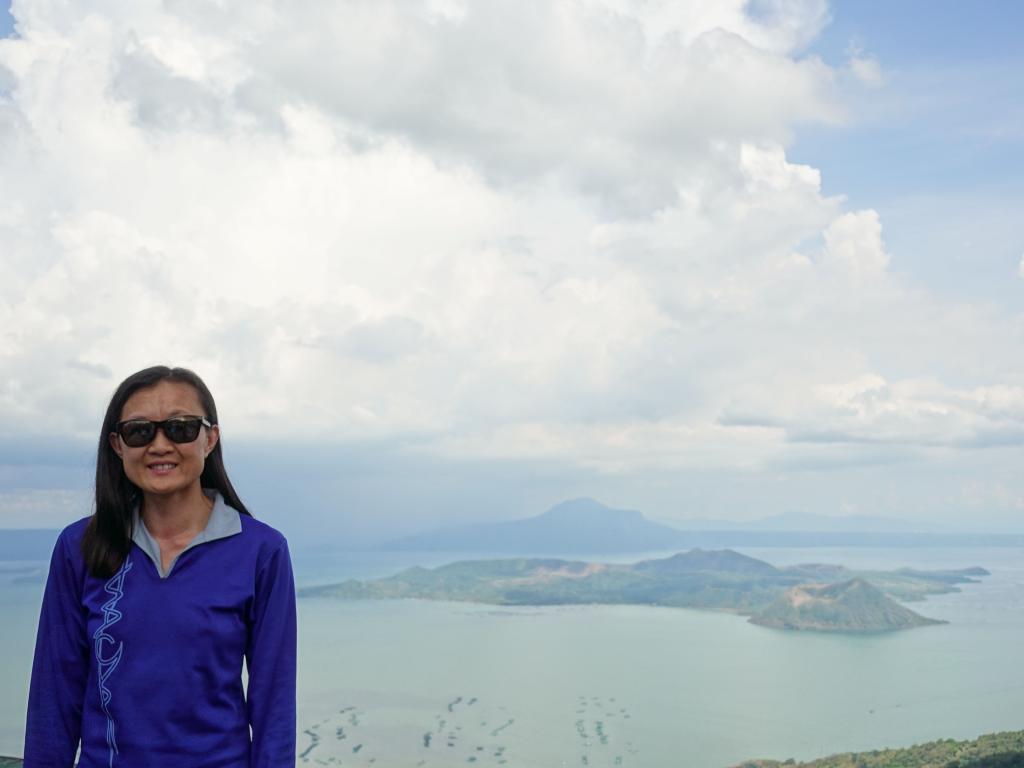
(115, 443)
(212, 436)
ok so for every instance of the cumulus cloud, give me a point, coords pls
(486, 229)
(920, 413)
(865, 68)
(853, 241)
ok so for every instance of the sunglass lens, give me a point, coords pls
(182, 430)
(137, 433)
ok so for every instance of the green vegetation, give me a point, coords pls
(850, 606)
(819, 597)
(995, 750)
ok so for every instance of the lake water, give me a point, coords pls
(413, 683)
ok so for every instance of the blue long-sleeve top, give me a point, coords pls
(144, 669)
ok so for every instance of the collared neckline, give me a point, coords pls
(224, 521)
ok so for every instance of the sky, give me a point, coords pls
(443, 261)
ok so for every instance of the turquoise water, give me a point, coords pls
(412, 683)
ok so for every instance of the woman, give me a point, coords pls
(152, 603)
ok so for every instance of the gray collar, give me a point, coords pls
(224, 521)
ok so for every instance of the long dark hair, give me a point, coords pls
(108, 536)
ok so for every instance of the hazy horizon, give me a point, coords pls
(353, 497)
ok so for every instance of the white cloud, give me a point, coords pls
(865, 68)
(558, 230)
(854, 242)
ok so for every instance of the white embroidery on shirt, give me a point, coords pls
(107, 656)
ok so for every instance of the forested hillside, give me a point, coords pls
(994, 750)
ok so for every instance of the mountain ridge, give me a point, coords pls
(581, 525)
(585, 526)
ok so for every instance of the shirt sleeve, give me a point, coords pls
(270, 661)
(60, 668)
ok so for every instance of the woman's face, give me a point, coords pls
(163, 467)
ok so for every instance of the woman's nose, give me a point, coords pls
(160, 441)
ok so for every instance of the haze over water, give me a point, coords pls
(622, 685)
(668, 687)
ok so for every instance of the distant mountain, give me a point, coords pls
(808, 522)
(580, 525)
(719, 580)
(585, 526)
(849, 606)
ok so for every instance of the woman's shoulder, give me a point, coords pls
(258, 527)
(268, 545)
(261, 532)
(227, 519)
(72, 533)
(67, 549)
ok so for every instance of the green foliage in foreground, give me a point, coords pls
(9, 762)
(994, 750)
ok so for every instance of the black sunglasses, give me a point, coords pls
(178, 429)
